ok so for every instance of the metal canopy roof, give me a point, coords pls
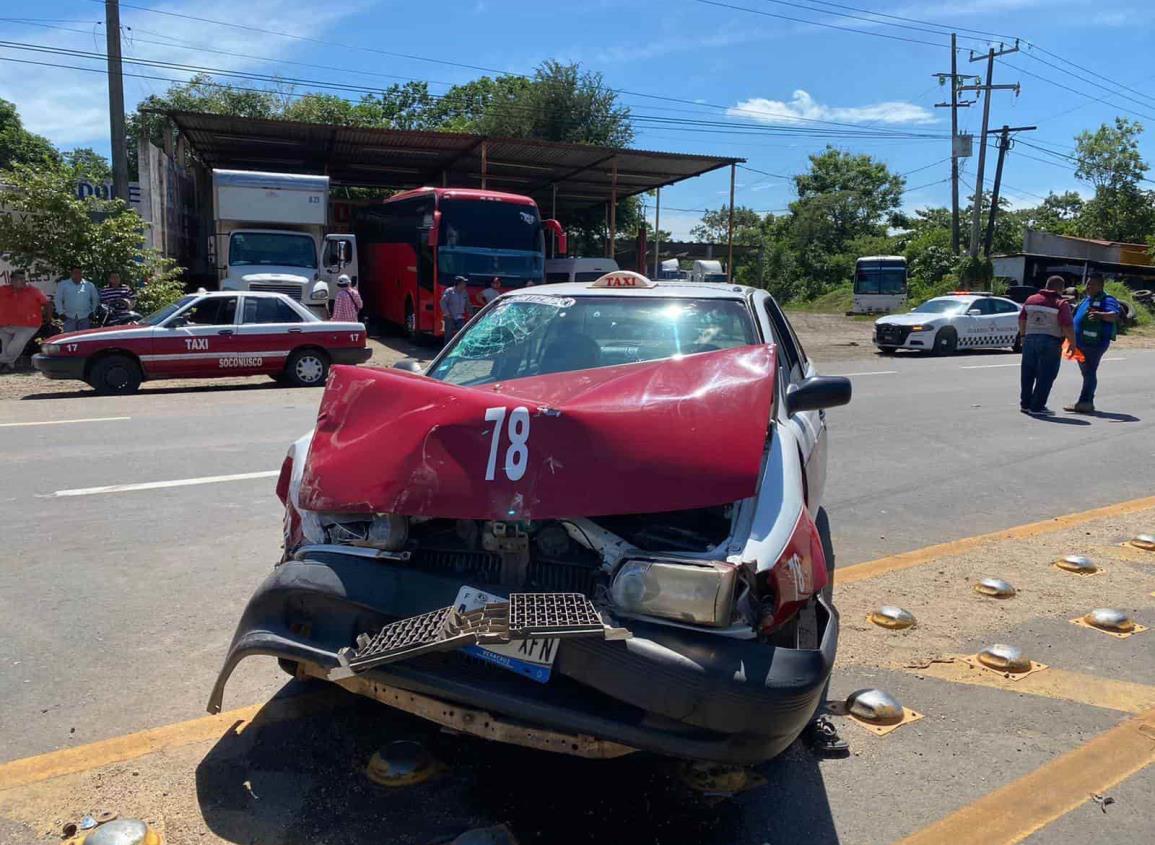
(584, 175)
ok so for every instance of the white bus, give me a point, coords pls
(577, 269)
(879, 284)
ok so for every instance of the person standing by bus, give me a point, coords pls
(1095, 321)
(492, 292)
(455, 307)
(1044, 323)
(347, 306)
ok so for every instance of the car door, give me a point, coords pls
(192, 342)
(981, 323)
(270, 328)
(1006, 322)
(809, 427)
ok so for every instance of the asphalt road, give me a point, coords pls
(116, 607)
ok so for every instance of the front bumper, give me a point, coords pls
(59, 366)
(350, 356)
(667, 690)
(901, 337)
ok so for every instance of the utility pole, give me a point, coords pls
(954, 105)
(977, 210)
(1004, 145)
(116, 101)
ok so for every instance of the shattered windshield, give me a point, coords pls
(539, 334)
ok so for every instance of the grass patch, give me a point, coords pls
(1122, 293)
(837, 301)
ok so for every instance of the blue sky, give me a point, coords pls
(762, 80)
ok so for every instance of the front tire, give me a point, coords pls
(307, 368)
(115, 375)
(946, 341)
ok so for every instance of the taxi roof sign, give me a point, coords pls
(623, 279)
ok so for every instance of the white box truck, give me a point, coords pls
(707, 271)
(270, 234)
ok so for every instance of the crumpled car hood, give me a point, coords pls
(635, 438)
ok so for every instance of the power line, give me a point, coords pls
(947, 27)
(1080, 93)
(926, 27)
(809, 22)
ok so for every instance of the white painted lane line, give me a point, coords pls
(1120, 358)
(64, 422)
(875, 373)
(989, 366)
(157, 485)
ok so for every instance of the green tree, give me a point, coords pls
(715, 226)
(18, 145)
(1109, 160)
(560, 103)
(48, 229)
(1058, 214)
(86, 163)
(843, 197)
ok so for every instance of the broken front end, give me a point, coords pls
(590, 562)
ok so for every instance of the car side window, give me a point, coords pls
(788, 347)
(983, 306)
(212, 311)
(1002, 306)
(269, 310)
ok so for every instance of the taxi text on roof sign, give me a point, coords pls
(623, 279)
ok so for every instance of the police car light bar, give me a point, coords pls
(623, 279)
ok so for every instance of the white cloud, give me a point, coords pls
(803, 108)
(70, 107)
(667, 44)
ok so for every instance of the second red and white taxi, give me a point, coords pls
(207, 335)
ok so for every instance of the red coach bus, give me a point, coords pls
(415, 243)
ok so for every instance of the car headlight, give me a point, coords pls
(50, 348)
(923, 328)
(320, 293)
(698, 593)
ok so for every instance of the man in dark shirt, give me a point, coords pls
(1095, 321)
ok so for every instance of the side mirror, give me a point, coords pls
(434, 230)
(974, 312)
(342, 253)
(562, 241)
(409, 365)
(816, 393)
(177, 323)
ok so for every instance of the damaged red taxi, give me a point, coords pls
(592, 525)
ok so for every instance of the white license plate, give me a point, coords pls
(531, 658)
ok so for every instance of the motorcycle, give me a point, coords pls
(117, 312)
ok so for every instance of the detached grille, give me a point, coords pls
(291, 291)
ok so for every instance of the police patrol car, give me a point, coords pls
(207, 335)
(945, 324)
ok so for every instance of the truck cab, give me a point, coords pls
(270, 236)
(708, 271)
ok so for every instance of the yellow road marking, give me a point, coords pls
(82, 758)
(1127, 552)
(1110, 694)
(1012, 813)
(917, 557)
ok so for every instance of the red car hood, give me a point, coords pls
(637, 438)
(89, 334)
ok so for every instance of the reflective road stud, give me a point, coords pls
(401, 763)
(1110, 621)
(995, 588)
(121, 832)
(889, 616)
(1005, 660)
(1144, 541)
(877, 711)
(1079, 564)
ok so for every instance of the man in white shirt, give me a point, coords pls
(493, 291)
